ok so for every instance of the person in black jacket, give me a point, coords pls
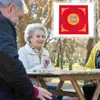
(14, 82)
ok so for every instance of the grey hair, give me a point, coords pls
(98, 22)
(31, 29)
(18, 3)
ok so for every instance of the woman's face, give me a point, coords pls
(37, 39)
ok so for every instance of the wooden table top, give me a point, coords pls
(87, 74)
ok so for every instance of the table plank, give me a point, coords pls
(64, 93)
(60, 84)
(78, 90)
(42, 82)
(97, 92)
(79, 76)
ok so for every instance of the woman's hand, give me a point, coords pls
(43, 94)
(46, 62)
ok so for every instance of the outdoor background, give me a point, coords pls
(66, 53)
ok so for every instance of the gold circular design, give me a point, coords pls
(73, 19)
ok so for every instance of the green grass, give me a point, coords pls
(66, 85)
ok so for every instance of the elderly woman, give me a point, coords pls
(33, 55)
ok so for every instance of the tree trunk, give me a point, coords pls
(89, 48)
(61, 54)
(70, 64)
(70, 61)
(57, 63)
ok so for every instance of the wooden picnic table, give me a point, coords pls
(73, 77)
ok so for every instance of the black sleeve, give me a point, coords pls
(11, 68)
(97, 60)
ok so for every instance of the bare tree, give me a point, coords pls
(40, 11)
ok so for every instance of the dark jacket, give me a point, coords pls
(13, 78)
(97, 60)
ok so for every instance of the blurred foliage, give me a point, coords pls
(65, 50)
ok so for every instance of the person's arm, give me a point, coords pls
(90, 62)
(11, 68)
(48, 67)
(23, 57)
(97, 65)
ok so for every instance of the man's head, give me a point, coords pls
(98, 28)
(13, 9)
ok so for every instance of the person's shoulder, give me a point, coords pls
(97, 45)
(2, 19)
(22, 50)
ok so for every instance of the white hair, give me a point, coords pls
(18, 3)
(31, 29)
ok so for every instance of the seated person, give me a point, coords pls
(93, 63)
(33, 55)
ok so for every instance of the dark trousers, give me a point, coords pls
(53, 98)
(59, 97)
(88, 90)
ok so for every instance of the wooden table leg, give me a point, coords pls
(78, 90)
(60, 84)
(97, 92)
(42, 82)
